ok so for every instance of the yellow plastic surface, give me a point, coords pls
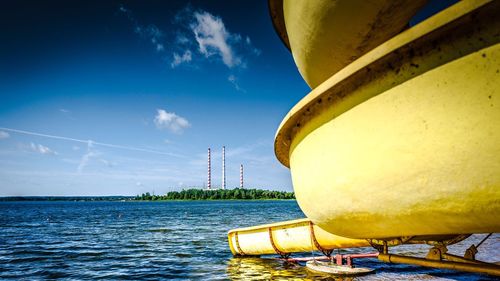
(327, 35)
(422, 158)
(289, 236)
(390, 64)
(406, 140)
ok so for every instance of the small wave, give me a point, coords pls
(165, 230)
(183, 255)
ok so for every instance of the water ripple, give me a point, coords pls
(166, 240)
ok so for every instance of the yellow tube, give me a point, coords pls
(287, 237)
(406, 140)
(325, 35)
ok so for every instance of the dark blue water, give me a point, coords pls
(165, 240)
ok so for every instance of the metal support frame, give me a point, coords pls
(438, 257)
(487, 268)
(349, 258)
(240, 251)
(325, 252)
(283, 255)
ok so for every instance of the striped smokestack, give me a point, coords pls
(241, 175)
(223, 167)
(209, 175)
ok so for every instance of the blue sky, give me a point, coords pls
(125, 97)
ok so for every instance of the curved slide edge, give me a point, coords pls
(287, 237)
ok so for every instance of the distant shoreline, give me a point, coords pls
(237, 194)
(67, 198)
(122, 199)
(218, 194)
(260, 199)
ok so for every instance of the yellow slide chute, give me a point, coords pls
(405, 140)
(287, 237)
(325, 36)
(399, 139)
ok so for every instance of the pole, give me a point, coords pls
(241, 175)
(492, 269)
(209, 173)
(223, 167)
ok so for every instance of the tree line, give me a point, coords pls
(219, 194)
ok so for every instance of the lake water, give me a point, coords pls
(167, 240)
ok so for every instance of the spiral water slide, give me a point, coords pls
(399, 139)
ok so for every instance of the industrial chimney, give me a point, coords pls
(241, 175)
(209, 176)
(223, 167)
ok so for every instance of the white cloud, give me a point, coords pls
(92, 154)
(153, 33)
(186, 57)
(42, 149)
(170, 121)
(181, 39)
(150, 32)
(233, 80)
(123, 9)
(107, 163)
(254, 50)
(192, 30)
(213, 38)
(85, 160)
(4, 135)
(67, 113)
(86, 157)
(117, 146)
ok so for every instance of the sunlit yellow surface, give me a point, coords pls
(327, 35)
(421, 158)
(289, 236)
(406, 140)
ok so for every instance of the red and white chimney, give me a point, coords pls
(223, 167)
(209, 173)
(241, 175)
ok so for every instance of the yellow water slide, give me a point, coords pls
(405, 140)
(400, 134)
(287, 237)
(302, 235)
(325, 36)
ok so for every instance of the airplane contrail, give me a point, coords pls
(91, 141)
